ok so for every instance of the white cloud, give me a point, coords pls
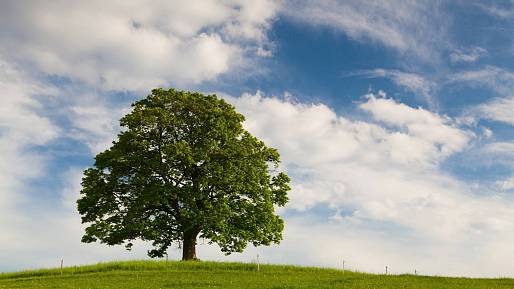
(72, 179)
(500, 148)
(94, 123)
(507, 184)
(134, 45)
(439, 131)
(486, 133)
(499, 109)
(264, 52)
(496, 10)
(22, 126)
(499, 153)
(406, 26)
(467, 55)
(496, 78)
(382, 176)
(321, 141)
(411, 81)
(251, 18)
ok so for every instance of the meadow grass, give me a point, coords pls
(173, 274)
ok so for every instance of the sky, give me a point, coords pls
(394, 119)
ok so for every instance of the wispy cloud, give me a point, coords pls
(95, 123)
(23, 127)
(467, 55)
(499, 109)
(413, 82)
(507, 184)
(500, 80)
(500, 148)
(506, 11)
(406, 26)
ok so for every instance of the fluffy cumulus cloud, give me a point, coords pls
(438, 132)
(134, 45)
(403, 140)
(406, 26)
(382, 173)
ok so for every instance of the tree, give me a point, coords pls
(184, 167)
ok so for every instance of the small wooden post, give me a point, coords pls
(62, 261)
(258, 265)
(386, 270)
(415, 272)
(343, 265)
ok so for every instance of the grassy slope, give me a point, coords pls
(160, 274)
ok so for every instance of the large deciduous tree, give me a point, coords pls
(184, 167)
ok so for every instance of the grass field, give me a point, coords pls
(161, 274)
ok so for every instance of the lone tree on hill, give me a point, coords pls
(183, 168)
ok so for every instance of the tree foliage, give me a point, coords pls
(184, 167)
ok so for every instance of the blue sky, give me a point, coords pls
(393, 118)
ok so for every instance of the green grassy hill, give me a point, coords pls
(161, 274)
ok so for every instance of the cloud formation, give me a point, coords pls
(413, 82)
(406, 26)
(314, 140)
(385, 173)
(467, 55)
(498, 79)
(21, 127)
(133, 45)
(499, 109)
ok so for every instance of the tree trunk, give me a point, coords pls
(189, 245)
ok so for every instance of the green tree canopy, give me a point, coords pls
(184, 167)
